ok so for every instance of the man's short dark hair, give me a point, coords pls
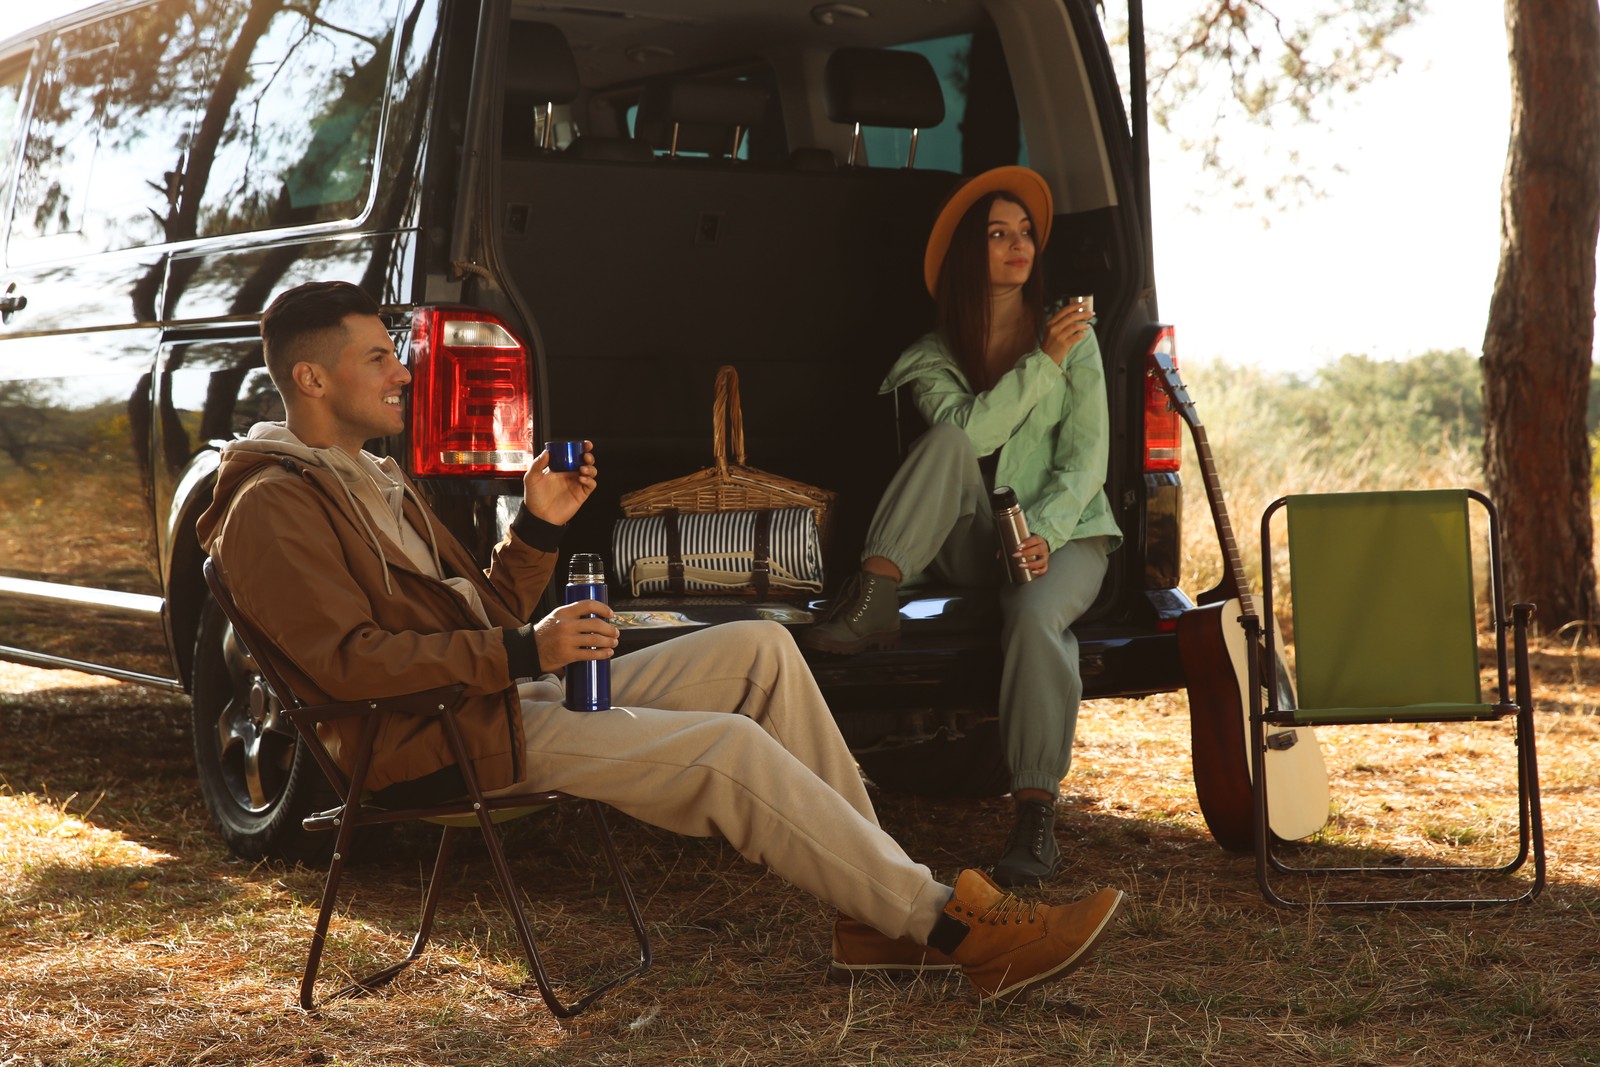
(298, 314)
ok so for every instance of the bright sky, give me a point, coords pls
(1399, 254)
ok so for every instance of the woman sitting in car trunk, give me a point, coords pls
(1014, 397)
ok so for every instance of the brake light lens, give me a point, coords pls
(471, 396)
(1163, 430)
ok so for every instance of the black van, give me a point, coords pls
(573, 213)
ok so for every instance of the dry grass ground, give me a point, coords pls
(128, 936)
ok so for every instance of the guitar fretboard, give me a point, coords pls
(1178, 394)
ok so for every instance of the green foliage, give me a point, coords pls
(1354, 424)
(1594, 430)
(1359, 415)
(1594, 455)
(1594, 399)
(1391, 408)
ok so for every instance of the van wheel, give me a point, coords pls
(966, 767)
(259, 781)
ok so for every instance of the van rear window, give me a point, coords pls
(156, 125)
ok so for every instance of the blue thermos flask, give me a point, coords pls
(588, 680)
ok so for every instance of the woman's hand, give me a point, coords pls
(554, 497)
(1034, 554)
(1064, 329)
(566, 635)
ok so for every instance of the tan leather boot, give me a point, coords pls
(1006, 946)
(859, 949)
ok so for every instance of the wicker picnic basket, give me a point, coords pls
(730, 486)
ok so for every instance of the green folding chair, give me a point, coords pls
(1386, 631)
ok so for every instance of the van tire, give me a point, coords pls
(963, 768)
(259, 821)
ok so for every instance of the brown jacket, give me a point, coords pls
(356, 618)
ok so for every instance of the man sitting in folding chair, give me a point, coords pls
(338, 562)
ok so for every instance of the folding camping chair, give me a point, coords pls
(1385, 631)
(474, 809)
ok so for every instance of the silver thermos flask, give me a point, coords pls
(1012, 526)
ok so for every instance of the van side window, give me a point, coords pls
(980, 130)
(147, 131)
(12, 73)
(109, 135)
(300, 135)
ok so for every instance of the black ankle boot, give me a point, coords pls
(864, 614)
(1031, 853)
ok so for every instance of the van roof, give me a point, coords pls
(620, 41)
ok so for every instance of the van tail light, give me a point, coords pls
(471, 395)
(1163, 430)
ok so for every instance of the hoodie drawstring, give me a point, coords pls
(372, 535)
(427, 525)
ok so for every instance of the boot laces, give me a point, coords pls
(861, 605)
(1011, 910)
(851, 599)
(1033, 825)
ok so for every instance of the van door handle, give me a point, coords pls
(11, 301)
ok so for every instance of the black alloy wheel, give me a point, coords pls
(259, 781)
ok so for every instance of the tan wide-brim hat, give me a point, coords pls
(1024, 184)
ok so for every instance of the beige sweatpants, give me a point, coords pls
(724, 732)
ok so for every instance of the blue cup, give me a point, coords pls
(564, 455)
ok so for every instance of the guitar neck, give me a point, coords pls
(1233, 562)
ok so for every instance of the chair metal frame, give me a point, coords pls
(455, 817)
(1530, 835)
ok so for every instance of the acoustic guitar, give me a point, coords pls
(1213, 647)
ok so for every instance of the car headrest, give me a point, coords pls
(883, 87)
(540, 65)
(705, 113)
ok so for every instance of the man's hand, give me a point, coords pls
(567, 636)
(555, 498)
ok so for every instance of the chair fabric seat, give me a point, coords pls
(1401, 713)
(1383, 598)
(466, 818)
(496, 817)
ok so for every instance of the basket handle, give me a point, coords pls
(726, 414)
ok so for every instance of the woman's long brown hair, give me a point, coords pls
(964, 295)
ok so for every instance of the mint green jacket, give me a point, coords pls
(1050, 424)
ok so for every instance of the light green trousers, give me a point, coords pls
(935, 517)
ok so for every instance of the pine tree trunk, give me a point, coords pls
(1539, 344)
